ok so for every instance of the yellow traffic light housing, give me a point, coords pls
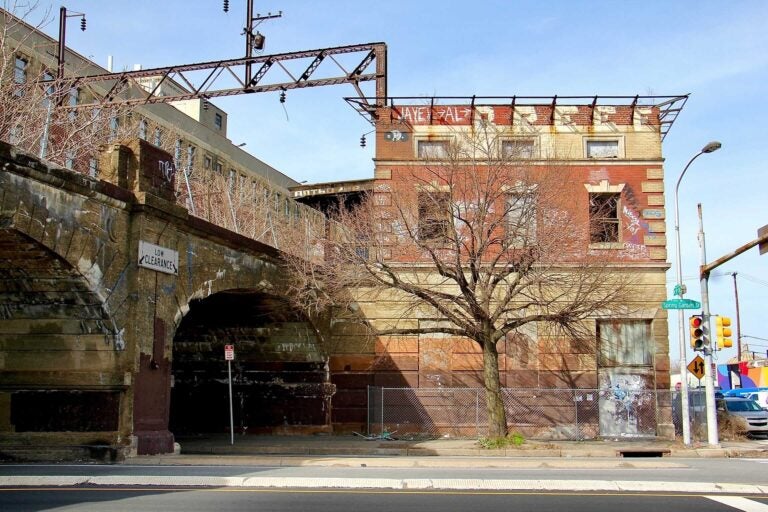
(724, 333)
(699, 339)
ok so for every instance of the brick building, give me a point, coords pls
(606, 154)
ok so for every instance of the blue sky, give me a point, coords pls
(715, 50)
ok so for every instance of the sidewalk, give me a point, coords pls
(216, 449)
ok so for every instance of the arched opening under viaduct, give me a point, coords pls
(280, 378)
(62, 364)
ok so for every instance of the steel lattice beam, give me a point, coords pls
(224, 77)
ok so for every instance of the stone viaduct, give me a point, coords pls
(104, 282)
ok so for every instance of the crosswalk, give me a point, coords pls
(739, 503)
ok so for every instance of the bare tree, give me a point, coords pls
(475, 244)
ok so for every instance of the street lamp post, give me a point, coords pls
(709, 148)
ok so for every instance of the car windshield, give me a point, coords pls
(742, 405)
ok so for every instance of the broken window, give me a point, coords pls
(434, 216)
(603, 218)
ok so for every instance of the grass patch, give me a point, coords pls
(495, 443)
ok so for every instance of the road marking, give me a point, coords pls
(740, 503)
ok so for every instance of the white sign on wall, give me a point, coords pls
(158, 258)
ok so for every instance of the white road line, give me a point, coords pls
(740, 503)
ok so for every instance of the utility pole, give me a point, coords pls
(738, 320)
(709, 384)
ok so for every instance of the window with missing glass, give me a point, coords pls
(143, 129)
(434, 216)
(432, 149)
(602, 149)
(518, 149)
(158, 137)
(218, 121)
(625, 342)
(604, 219)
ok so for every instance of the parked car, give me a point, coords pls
(744, 414)
(761, 397)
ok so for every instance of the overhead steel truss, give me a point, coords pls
(669, 106)
(226, 78)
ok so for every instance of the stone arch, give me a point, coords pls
(280, 373)
(63, 364)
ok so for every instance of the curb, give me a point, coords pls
(385, 483)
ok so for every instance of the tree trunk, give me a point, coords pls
(497, 417)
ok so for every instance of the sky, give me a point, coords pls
(715, 50)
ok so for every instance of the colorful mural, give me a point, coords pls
(730, 375)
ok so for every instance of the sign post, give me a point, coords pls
(229, 355)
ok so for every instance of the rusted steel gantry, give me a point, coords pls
(225, 78)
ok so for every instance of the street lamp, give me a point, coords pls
(685, 420)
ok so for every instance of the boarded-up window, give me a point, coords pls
(625, 343)
(603, 218)
(434, 216)
(602, 149)
(433, 149)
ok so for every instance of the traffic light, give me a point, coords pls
(699, 338)
(723, 330)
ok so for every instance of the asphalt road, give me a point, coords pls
(299, 500)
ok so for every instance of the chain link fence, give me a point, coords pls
(546, 414)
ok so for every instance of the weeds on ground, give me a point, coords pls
(494, 443)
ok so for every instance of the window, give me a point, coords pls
(114, 126)
(143, 129)
(603, 218)
(20, 74)
(93, 169)
(243, 186)
(218, 168)
(69, 162)
(232, 180)
(15, 136)
(518, 148)
(158, 137)
(74, 99)
(434, 216)
(217, 121)
(602, 149)
(207, 162)
(625, 342)
(49, 89)
(177, 153)
(190, 156)
(432, 148)
(521, 217)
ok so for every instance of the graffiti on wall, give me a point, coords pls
(626, 405)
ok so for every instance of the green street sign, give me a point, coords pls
(680, 304)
